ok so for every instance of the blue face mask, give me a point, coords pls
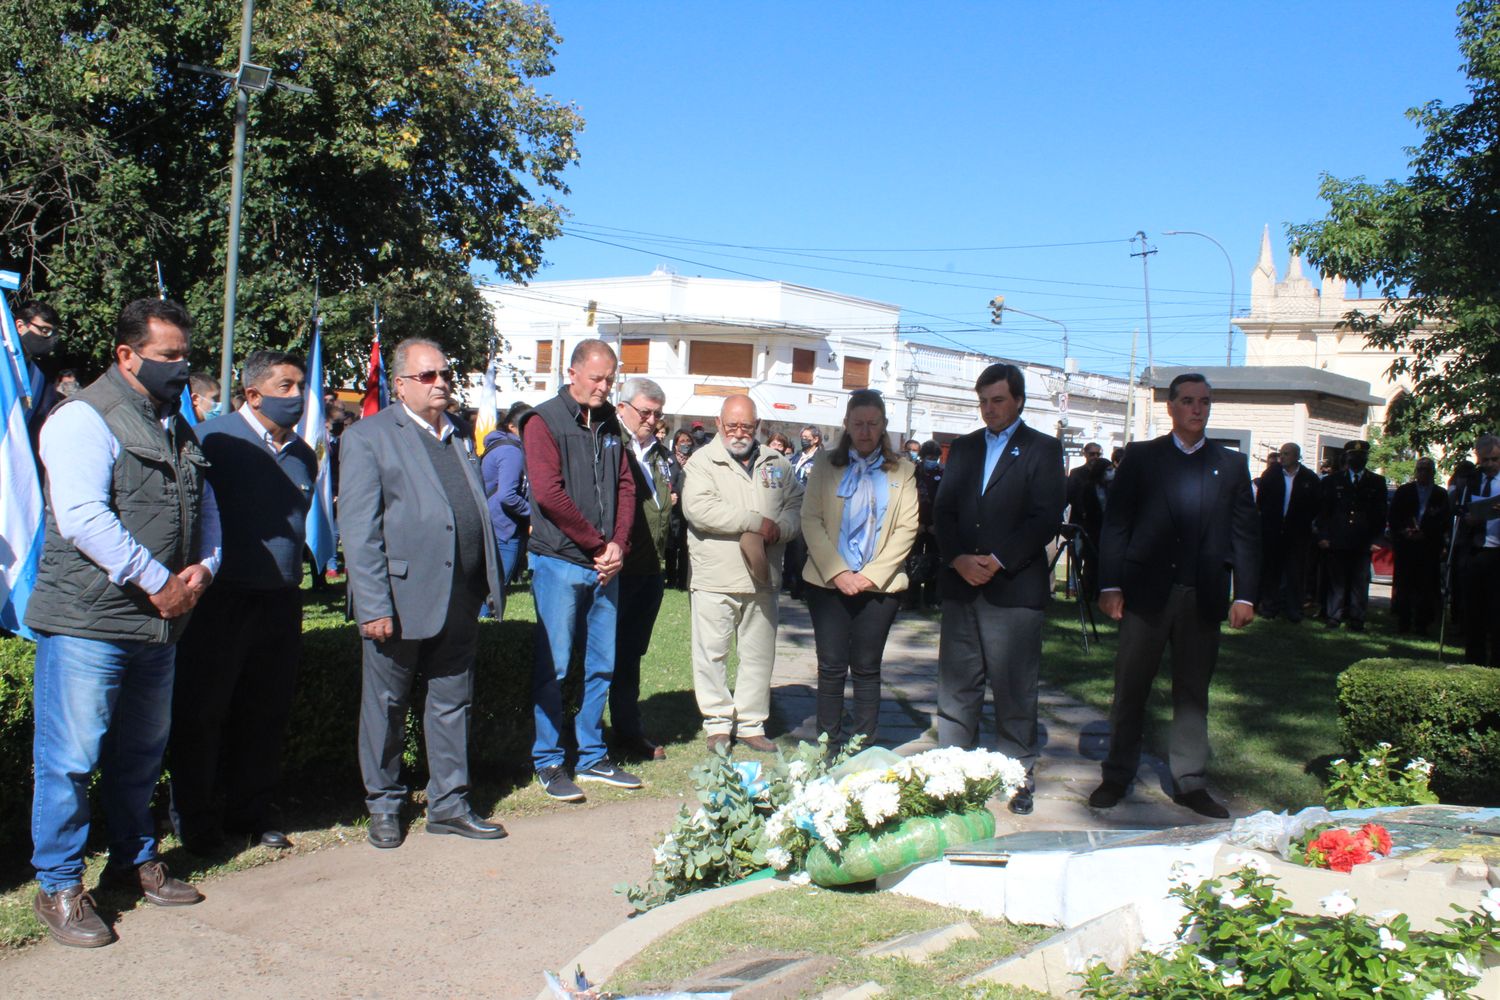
(930, 463)
(283, 411)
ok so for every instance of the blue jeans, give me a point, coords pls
(106, 705)
(570, 602)
(510, 556)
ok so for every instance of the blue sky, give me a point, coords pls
(895, 136)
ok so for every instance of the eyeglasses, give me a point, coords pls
(431, 375)
(739, 428)
(645, 414)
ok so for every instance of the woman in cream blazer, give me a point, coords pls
(859, 520)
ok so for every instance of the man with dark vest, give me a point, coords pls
(582, 508)
(1288, 501)
(1000, 503)
(421, 558)
(657, 484)
(237, 661)
(1351, 518)
(132, 543)
(1180, 523)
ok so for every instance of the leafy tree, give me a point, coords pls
(424, 148)
(1430, 244)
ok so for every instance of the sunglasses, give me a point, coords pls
(645, 414)
(431, 375)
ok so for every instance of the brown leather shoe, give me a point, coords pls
(758, 743)
(70, 918)
(718, 742)
(153, 881)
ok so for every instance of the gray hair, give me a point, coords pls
(1486, 442)
(398, 361)
(636, 387)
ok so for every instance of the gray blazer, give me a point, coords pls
(397, 526)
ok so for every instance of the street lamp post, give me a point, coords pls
(909, 387)
(1229, 343)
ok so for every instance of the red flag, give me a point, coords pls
(377, 394)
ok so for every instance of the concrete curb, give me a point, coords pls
(600, 959)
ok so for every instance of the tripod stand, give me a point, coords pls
(1070, 540)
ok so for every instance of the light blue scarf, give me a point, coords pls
(860, 528)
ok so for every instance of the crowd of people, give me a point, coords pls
(168, 611)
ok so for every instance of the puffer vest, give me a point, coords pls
(590, 462)
(156, 491)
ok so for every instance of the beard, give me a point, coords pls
(739, 447)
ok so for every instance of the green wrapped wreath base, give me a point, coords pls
(910, 842)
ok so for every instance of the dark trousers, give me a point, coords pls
(638, 604)
(447, 661)
(1195, 649)
(981, 644)
(1348, 584)
(1481, 575)
(1415, 594)
(793, 561)
(232, 696)
(1282, 576)
(850, 634)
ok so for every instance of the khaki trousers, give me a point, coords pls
(750, 620)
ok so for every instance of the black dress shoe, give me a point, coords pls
(1200, 802)
(385, 830)
(467, 825)
(1107, 795)
(274, 839)
(1021, 803)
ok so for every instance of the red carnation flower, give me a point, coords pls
(1342, 859)
(1379, 838)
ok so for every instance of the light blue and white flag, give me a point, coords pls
(321, 530)
(21, 511)
(185, 406)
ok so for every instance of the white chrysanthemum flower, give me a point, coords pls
(879, 802)
(797, 770)
(801, 878)
(1232, 978)
(776, 825)
(778, 858)
(1390, 942)
(1338, 904)
(1231, 901)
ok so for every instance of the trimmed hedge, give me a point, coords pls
(1448, 715)
(324, 726)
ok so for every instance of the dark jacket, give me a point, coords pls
(1012, 518)
(156, 491)
(1296, 524)
(1352, 514)
(504, 471)
(582, 492)
(651, 531)
(1406, 513)
(1143, 544)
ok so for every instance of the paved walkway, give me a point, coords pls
(1075, 737)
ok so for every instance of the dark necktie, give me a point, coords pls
(1489, 486)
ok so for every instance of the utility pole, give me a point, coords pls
(1145, 255)
(1130, 390)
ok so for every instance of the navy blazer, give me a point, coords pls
(1296, 524)
(1142, 547)
(1013, 518)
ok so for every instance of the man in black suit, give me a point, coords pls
(1180, 523)
(1351, 518)
(1000, 503)
(1288, 500)
(1419, 539)
(1478, 556)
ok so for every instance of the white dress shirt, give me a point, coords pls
(442, 432)
(79, 452)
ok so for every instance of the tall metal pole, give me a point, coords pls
(1145, 255)
(1229, 344)
(1130, 390)
(236, 193)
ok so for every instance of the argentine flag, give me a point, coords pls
(21, 510)
(486, 416)
(321, 537)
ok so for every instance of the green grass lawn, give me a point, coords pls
(836, 923)
(1273, 714)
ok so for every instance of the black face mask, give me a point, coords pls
(164, 380)
(37, 346)
(283, 411)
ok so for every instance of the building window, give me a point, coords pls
(544, 357)
(804, 363)
(635, 356)
(714, 357)
(856, 373)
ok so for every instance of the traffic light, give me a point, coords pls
(997, 308)
(591, 311)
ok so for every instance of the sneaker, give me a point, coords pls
(610, 775)
(557, 784)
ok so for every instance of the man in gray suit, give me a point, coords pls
(421, 556)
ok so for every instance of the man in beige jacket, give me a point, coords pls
(742, 504)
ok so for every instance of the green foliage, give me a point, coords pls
(1377, 777)
(1241, 939)
(1447, 715)
(423, 149)
(15, 744)
(1429, 243)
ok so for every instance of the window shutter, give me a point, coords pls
(714, 357)
(635, 356)
(544, 357)
(856, 373)
(804, 363)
